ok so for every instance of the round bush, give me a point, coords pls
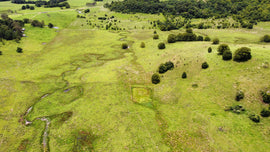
(205, 65)
(265, 38)
(124, 45)
(156, 37)
(161, 45)
(255, 118)
(142, 45)
(239, 95)
(215, 41)
(155, 32)
(19, 50)
(184, 75)
(209, 50)
(155, 78)
(222, 48)
(0, 52)
(227, 55)
(207, 38)
(242, 54)
(171, 38)
(265, 113)
(162, 68)
(50, 25)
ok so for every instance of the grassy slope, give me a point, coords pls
(180, 116)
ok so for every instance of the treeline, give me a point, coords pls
(10, 29)
(50, 3)
(239, 9)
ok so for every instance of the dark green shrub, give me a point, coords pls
(265, 113)
(207, 38)
(19, 50)
(124, 45)
(165, 67)
(266, 95)
(155, 78)
(180, 37)
(189, 37)
(200, 38)
(254, 117)
(155, 32)
(87, 10)
(23, 7)
(236, 109)
(222, 48)
(209, 50)
(171, 38)
(161, 45)
(239, 95)
(250, 26)
(205, 65)
(50, 25)
(227, 55)
(184, 75)
(0, 52)
(32, 7)
(142, 45)
(242, 54)
(265, 38)
(215, 41)
(156, 37)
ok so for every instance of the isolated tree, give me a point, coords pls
(222, 48)
(227, 55)
(215, 41)
(50, 25)
(142, 45)
(239, 95)
(254, 118)
(200, 38)
(155, 78)
(242, 54)
(161, 45)
(205, 65)
(19, 50)
(184, 75)
(87, 10)
(266, 95)
(171, 38)
(32, 7)
(124, 45)
(23, 7)
(209, 50)
(27, 6)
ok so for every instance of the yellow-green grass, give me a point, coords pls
(84, 71)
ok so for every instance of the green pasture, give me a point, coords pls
(99, 97)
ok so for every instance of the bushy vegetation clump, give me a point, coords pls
(236, 109)
(242, 54)
(239, 95)
(209, 50)
(155, 78)
(10, 29)
(50, 25)
(227, 55)
(207, 38)
(161, 45)
(205, 65)
(265, 113)
(184, 75)
(37, 23)
(254, 118)
(164, 67)
(156, 36)
(19, 50)
(265, 38)
(266, 95)
(222, 48)
(142, 45)
(171, 38)
(124, 45)
(215, 41)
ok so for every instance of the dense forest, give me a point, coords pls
(10, 29)
(240, 9)
(50, 3)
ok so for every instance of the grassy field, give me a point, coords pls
(79, 91)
